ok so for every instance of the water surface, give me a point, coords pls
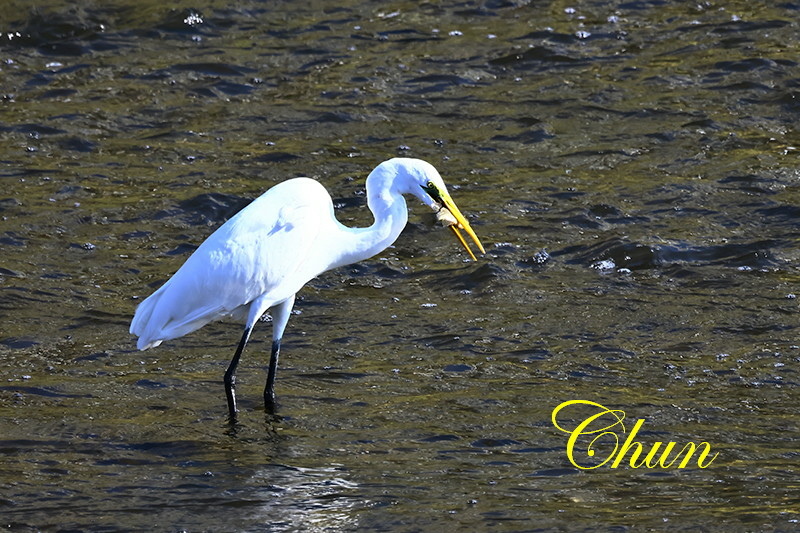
(631, 167)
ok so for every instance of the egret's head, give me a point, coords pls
(423, 181)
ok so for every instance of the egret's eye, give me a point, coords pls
(433, 191)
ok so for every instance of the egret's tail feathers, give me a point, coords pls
(144, 344)
(160, 319)
(142, 323)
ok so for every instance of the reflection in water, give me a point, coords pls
(631, 164)
(304, 499)
(77, 483)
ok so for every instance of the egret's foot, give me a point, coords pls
(270, 403)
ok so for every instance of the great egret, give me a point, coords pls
(263, 255)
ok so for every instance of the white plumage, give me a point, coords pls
(262, 256)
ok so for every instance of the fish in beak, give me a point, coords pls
(450, 216)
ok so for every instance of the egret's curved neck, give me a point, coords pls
(391, 215)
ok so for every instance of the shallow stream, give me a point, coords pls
(631, 167)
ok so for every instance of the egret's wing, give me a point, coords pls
(260, 252)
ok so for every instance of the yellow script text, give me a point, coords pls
(599, 436)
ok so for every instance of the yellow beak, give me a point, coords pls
(457, 222)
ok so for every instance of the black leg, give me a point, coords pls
(269, 391)
(230, 374)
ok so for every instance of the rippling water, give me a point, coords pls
(632, 167)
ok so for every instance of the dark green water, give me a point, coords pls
(631, 167)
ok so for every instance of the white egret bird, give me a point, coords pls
(264, 254)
